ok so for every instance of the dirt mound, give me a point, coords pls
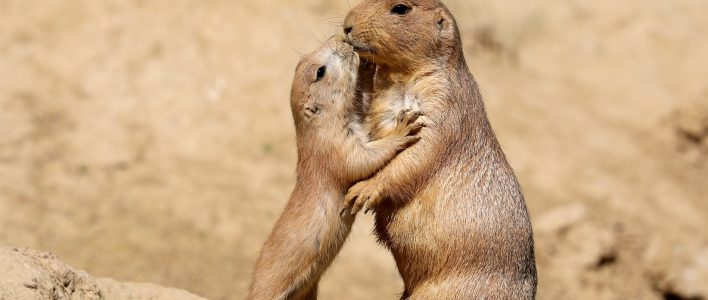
(32, 274)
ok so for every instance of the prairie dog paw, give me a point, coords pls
(363, 194)
(406, 124)
(407, 128)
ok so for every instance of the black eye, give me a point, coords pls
(321, 73)
(400, 9)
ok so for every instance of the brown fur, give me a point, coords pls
(449, 208)
(333, 153)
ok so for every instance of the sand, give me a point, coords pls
(32, 274)
(152, 141)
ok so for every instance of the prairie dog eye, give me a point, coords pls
(400, 9)
(321, 73)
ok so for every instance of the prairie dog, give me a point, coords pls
(333, 154)
(449, 208)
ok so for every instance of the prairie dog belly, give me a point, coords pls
(384, 109)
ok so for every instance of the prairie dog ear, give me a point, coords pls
(311, 110)
(443, 20)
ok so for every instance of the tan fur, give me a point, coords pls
(449, 208)
(333, 153)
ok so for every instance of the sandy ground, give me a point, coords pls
(31, 274)
(151, 141)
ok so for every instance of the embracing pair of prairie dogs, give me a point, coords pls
(446, 202)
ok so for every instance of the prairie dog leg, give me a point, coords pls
(364, 160)
(370, 192)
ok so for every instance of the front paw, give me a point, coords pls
(408, 124)
(363, 194)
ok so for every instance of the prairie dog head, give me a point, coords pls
(402, 33)
(324, 85)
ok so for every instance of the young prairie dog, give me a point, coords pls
(333, 154)
(449, 208)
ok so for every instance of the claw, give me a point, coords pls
(349, 202)
(415, 128)
(358, 205)
(402, 115)
(416, 115)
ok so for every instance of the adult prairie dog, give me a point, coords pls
(333, 154)
(449, 208)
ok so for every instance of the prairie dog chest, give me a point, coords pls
(384, 109)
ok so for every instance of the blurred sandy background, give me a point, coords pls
(152, 141)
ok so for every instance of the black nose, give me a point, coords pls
(348, 30)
